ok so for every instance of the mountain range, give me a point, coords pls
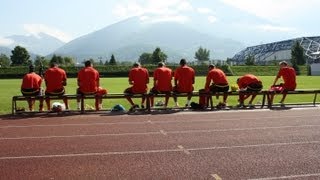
(224, 36)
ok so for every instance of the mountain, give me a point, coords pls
(41, 44)
(128, 39)
(5, 50)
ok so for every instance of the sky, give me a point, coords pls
(69, 19)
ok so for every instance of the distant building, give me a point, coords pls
(279, 51)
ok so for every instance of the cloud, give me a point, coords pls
(177, 18)
(272, 28)
(36, 29)
(275, 10)
(212, 19)
(204, 11)
(165, 10)
(5, 41)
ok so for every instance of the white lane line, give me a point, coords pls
(179, 149)
(216, 176)
(159, 132)
(255, 145)
(289, 177)
(184, 150)
(158, 122)
(163, 132)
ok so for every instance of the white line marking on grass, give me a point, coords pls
(159, 132)
(180, 149)
(289, 177)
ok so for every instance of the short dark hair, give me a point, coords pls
(211, 66)
(53, 64)
(283, 63)
(136, 64)
(87, 63)
(183, 62)
(161, 64)
(31, 68)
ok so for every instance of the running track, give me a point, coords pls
(252, 144)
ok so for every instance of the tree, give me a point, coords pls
(145, 58)
(41, 61)
(250, 61)
(106, 63)
(20, 56)
(202, 55)
(297, 54)
(57, 59)
(4, 60)
(158, 56)
(112, 60)
(68, 61)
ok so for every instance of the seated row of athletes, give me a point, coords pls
(184, 78)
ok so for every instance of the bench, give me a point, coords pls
(114, 96)
(82, 98)
(298, 91)
(209, 96)
(25, 98)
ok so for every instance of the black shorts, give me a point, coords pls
(219, 88)
(254, 87)
(30, 92)
(155, 91)
(57, 92)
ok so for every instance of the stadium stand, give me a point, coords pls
(280, 50)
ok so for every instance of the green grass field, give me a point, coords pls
(11, 88)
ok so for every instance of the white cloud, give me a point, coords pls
(165, 10)
(177, 18)
(36, 29)
(212, 19)
(272, 28)
(204, 11)
(5, 41)
(275, 10)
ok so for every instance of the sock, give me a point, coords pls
(78, 105)
(188, 102)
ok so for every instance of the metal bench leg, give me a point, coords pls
(82, 105)
(315, 99)
(263, 100)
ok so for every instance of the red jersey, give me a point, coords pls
(140, 78)
(163, 76)
(247, 79)
(184, 76)
(217, 76)
(288, 75)
(88, 80)
(31, 81)
(55, 79)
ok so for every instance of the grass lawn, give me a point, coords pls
(11, 88)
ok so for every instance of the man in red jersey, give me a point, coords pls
(138, 78)
(55, 79)
(288, 75)
(89, 83)
(31, 86)
(184, 78)
(219, 83)
(162, 77)
(248, 83)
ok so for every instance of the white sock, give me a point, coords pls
(188, 102)
(79, 105)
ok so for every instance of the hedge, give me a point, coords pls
(122, 71)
